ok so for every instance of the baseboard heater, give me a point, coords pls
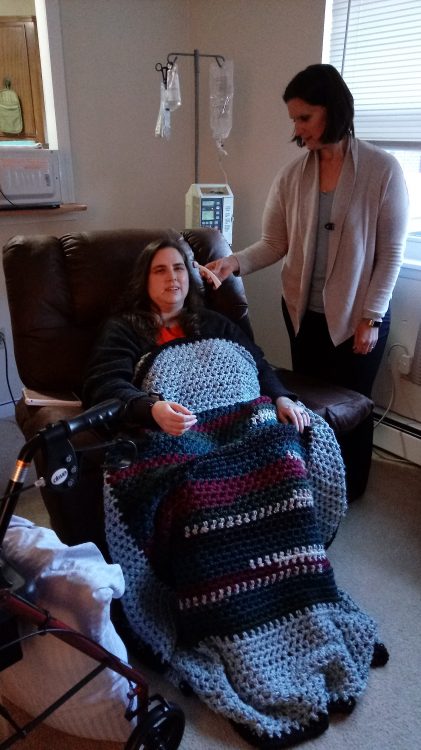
(398, 435)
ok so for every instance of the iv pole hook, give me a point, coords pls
(164, 70)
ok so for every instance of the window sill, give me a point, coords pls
(66, 208)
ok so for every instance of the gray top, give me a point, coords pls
(315, 300)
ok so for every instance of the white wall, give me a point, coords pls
(406, 319)
(129, 178)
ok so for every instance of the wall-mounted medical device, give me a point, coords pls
(29, 177)
(210, 206)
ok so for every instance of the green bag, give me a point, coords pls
(10, 110)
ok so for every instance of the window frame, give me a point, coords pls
(54, 83)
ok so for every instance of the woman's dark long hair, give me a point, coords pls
(136, 306)
(321, 85)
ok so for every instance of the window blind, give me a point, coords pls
(376, 46)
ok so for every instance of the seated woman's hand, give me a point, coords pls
(291, 412)
(173, 418)
(223, 267)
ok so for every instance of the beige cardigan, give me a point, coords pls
(369, 213)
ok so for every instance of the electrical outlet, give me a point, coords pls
(404, 364)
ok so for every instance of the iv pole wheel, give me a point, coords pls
(160, 728)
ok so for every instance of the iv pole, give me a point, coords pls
(171, 58)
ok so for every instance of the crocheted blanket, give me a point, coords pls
(221, 536)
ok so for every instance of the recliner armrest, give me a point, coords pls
(342, 408)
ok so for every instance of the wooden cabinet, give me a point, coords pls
(20, 63)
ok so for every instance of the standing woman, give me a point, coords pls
(337, 216)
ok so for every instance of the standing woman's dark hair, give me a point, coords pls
(136, 306)
(322, 85)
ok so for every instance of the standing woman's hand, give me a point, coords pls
(223, 267)
(365, 338)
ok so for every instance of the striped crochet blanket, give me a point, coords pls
(221, 536)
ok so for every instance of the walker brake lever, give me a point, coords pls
(62, 469)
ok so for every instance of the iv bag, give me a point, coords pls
(170, 100)
(163, 123)
(173, 88)
(221, 87)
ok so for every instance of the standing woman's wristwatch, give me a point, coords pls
(372, 323)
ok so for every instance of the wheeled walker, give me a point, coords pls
(159, 724)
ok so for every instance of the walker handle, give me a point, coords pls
(62, 467)
(99, 415)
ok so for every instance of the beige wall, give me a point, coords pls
(129, 178)
(17, 8)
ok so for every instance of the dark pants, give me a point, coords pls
(314, 354)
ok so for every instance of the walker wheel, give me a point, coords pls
(160, 728)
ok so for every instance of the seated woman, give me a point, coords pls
(221, 520)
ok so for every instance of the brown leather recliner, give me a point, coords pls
(59, 291)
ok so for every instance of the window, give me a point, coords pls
(410, 161)
(21, 67)
(56, 121)
(375, 45)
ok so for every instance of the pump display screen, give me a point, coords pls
(211, 213)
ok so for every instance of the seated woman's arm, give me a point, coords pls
(110, 375)
(288, 410)
(111, 368)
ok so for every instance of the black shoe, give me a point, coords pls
(342, 706)
(380, 655)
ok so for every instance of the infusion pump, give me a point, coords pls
(210, 206)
